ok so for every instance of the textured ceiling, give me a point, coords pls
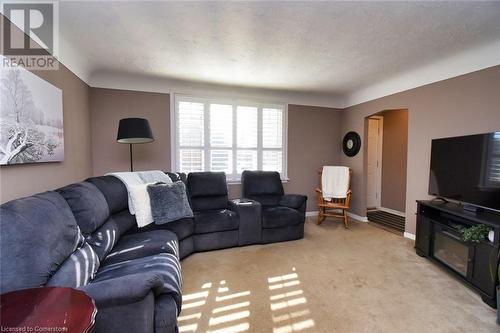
(326, 47)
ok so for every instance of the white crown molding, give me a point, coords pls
(459, 64)
(137, 82)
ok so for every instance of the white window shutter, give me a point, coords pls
(191, 124)
(221, 125)
(272, 128)
(246, 160)
(191, 131)
(272, 160)
(213, 135)
(191, 160)
(221, 160)
(246, 128)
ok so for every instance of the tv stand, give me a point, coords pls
(438, 238)
(473, 209)
(440, 199)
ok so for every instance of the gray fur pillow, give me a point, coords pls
(169, 202)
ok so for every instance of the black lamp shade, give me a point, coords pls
(134, 130)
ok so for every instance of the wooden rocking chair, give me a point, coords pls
(335, 207)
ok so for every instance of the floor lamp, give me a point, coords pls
(132, 131)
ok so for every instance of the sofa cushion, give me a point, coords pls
(208, 203)
(104, 239)
(186, 247)
(215, 240)
(262, 186)
(207, 190)
(88, 205)
(143, 244)
(275, 217)
(182, 228)
(215, 220)
(37, 234)
(113, 190)
(78, 270)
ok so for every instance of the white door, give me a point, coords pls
(374, 162)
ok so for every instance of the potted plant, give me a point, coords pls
(474, 234)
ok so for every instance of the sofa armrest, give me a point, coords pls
(121, 291)
(250, 215)
(132, 317)
(130, 281)
(295, 201)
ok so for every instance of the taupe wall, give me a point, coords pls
(313, 137)
(108, 106)
(394, 150)
(466, 104)
(314, 140)
(27, 179)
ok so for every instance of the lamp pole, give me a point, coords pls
(131, 159)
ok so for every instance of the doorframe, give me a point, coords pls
(378, 173)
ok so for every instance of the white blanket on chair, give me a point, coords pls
(131, 179)
(335, 182)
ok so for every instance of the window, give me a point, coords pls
(229, 136)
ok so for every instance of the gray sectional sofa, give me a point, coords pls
(83, 236)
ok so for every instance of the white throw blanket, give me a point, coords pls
(139, 178)
(142, 205)
(335, 182)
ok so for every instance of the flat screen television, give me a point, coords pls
(467, 169)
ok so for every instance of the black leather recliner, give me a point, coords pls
(283, 215)
(215, 225)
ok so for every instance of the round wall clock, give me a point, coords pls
(351, 144)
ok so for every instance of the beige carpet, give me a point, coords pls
(334, 280)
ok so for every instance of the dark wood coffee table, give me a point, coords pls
(50, 309)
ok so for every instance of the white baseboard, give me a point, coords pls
(392, 211)
(357, 217)
(408, 235)
(312, 213)
(354, 216)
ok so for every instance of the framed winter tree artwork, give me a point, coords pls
(31, 119)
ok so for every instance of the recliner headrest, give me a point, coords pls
(255, 183)
(206, 184)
